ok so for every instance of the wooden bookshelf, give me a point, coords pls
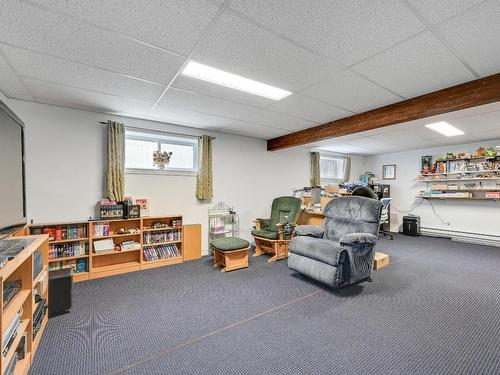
(21, 268)
(156, 237)
(70, 260)
(114, 262)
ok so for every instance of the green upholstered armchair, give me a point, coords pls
(269, 234)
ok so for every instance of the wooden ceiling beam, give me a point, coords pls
(470, 94)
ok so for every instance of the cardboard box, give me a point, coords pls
(381, 260)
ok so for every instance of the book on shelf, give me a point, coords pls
(68, 250)
(101, 229)
(162, 236)
(130, 245)
(77, 265)
(152, 253)
(62, 232)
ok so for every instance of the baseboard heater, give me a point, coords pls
(468, 237)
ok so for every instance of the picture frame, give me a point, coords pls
(389, 172)
(144, 206)
(426, 160)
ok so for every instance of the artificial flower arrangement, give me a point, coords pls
(160, 159)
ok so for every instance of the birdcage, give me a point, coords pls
(222, 221)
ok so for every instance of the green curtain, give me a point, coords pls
(347, 169)
(115, 173)
(315, 174)
(204, 189)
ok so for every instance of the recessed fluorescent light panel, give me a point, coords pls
(220, 77)
(444, 128)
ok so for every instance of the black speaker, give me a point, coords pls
(60, 291)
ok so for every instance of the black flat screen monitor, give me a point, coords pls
(12, 185)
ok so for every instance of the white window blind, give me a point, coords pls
(331, 168)
(141, 144)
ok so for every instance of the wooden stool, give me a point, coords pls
(230, 252)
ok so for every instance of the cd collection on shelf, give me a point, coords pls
(162, 236)
(161, 252)
(68, 250)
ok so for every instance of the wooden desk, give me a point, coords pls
(309, 217)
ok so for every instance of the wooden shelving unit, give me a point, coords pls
(55, 242)
(157, 237)
(21, 268)
(104, 264)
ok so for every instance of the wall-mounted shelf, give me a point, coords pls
(472, 158)
(463, 172)
(461, 179)
(459, 198)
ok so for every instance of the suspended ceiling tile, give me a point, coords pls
(210, 89)
(186, 117)
(10, 84)
(474, 35)
(56, 70)
(66, 96)
(205, 104)
(437, 11)
(418, 66)
(277, 120)
(239, 47)
(301, 106)
(175, 25)
(42, 31)
(352, 92)
(252, 130)
(346, 31)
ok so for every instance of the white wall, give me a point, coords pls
(480, 217)
(65, 151)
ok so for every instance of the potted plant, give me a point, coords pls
(160, 159)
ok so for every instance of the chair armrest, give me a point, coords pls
(358, 238)
(309, 230)
(281, 232)
(261, 223)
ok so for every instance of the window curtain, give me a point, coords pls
(115, 173)
(315, 173)
(347, 169)
(204, 189)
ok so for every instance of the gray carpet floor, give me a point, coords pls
(434, 310)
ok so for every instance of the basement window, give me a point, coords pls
(331, 169)
(141, 144)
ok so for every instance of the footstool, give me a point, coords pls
(230, 252)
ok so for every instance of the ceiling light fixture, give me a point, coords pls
(220, 77)
(444, 128)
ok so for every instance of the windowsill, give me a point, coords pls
(164, 172)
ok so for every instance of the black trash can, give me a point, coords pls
(411, 225)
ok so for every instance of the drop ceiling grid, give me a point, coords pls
(271, 107)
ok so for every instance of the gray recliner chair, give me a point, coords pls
(342, 251)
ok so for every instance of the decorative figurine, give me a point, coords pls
(480, 152)
(490, 152)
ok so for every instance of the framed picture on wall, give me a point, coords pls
(389, 172)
